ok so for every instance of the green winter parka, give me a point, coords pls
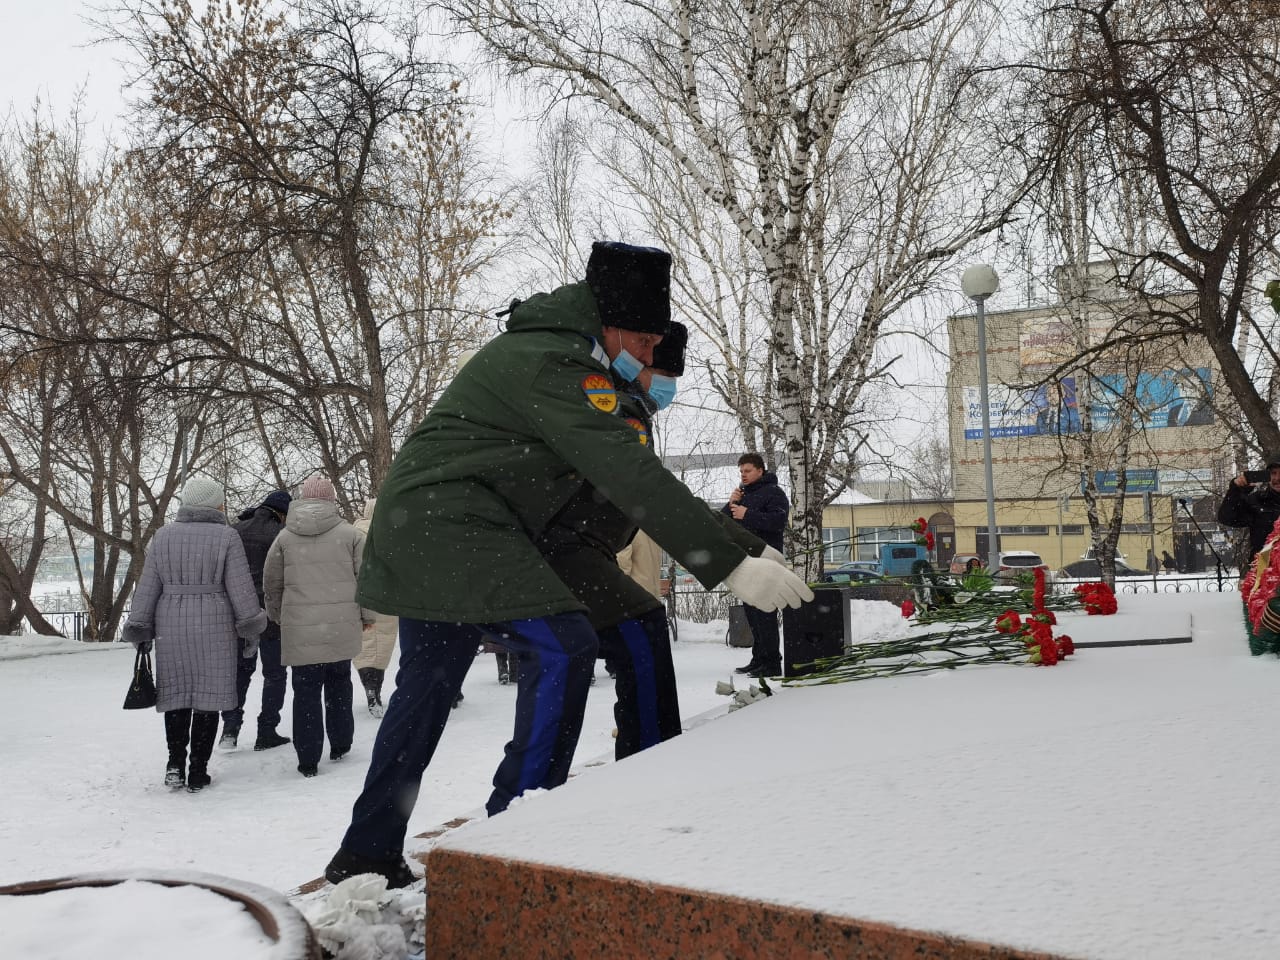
(582, 542)
(522, 426)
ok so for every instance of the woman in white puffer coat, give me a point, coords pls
(378, 644)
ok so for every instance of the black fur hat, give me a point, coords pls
(632, 286)
(669, 354)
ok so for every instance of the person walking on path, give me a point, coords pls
(378, 644)
(451, 547)
(257, 532)
(310, 586)
(194, 603)
(761, 506)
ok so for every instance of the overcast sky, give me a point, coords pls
(46, 53)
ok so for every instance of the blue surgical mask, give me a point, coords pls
(662, 390)
(628, 367)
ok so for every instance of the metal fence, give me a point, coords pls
(1227, 583)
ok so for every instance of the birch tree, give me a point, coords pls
(758, 112)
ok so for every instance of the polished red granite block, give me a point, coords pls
(480, 908)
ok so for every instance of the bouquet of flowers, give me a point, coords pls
(1258, 591)
(1005, 637)
(976, 599)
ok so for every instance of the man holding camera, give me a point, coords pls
(1255, 508)
(761, 506)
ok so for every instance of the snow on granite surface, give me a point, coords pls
(1114, 806)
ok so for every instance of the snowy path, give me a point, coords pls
(81, 783)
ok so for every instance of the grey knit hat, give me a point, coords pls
(203, 492)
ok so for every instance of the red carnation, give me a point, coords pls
(1066, 646)
(908, 608)
(1008, 622)
(1044, 616)
(1048, 652)
(920, 525)
(928, 540)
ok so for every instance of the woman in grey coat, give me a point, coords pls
(309, 583)
(195, 599)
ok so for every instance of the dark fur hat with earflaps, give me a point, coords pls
(632, 286)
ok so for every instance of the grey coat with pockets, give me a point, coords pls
(309, 583)
(195, 598)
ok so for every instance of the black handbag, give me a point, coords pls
(142, 689)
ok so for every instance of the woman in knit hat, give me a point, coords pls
(310, 587)
(195, 600)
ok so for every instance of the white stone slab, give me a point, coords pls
(1114, 806)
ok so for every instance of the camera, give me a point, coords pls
(1256, 476)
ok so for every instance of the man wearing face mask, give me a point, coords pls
(581, 545)
(451, 545)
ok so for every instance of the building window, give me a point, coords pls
(1072, 529)
(835, 544)
(1026, 531)
(870, 538)
(1135, 528)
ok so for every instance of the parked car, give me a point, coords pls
(1089, 555)
(961, 561)
(1091, 570)
(1016, 562)
(850, 573)
(866, 566)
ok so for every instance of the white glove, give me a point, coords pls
(765, 585)
(775, 555)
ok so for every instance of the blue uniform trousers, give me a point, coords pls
(556, 658)
(647, 710)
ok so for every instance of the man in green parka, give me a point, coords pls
(581, 544)
(451, 546)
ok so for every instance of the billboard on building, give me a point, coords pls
(1046, 410)
(1165, 398)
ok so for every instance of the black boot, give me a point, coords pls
(177, 732)
(347, 864)
(747, 667)
(371, 679)
(204, 728)
(175, 773)
(267, 739)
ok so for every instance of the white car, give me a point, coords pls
(1015, 562)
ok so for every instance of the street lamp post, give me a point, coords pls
(978, 283)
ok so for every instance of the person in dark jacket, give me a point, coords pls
(761, 506)
(451, 549)
(1255, 508)
(258, 529)
(581, 544)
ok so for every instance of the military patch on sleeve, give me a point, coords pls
(640, 429)
(600, 393)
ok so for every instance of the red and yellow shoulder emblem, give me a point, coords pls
(641, 431)
(600, 393)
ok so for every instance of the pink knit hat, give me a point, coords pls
(316, 487)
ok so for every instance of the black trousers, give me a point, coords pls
(275, 679)
(199, 728)
(766, 651)
(322, 705)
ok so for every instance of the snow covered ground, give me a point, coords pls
(81, 778)
(1120, 792)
